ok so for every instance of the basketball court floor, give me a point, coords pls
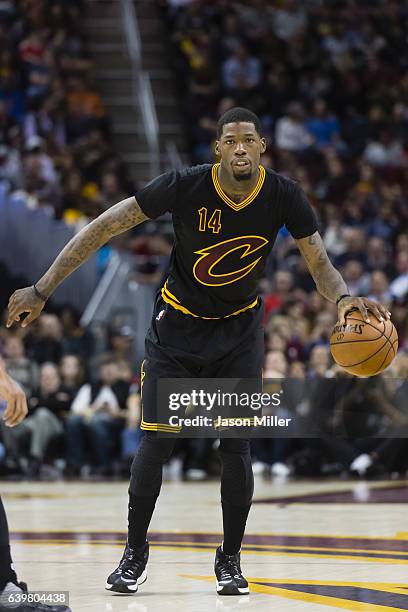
(311, 546)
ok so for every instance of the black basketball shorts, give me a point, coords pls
(182, 346)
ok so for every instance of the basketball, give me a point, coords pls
(361, 348)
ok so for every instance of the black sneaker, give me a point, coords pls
(17, 588)
(131, 571)
(230, 580)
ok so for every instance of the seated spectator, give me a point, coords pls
(232, 36)
(76, 340)
(378, 256)
(37, 160)
(46, 344)
(291, 133)
(241, 74)
(111, 191)
(276, 342)
(22, 369)
(399, 286)
(289, 20)
(10, 166)
(275, 364)
(333, 237)
(401, 243)
(385, 151)
(297, 370)
(319, 361)
(379, 290)
(283, 287)
(97, 412)
(355, 247)
(337, 44)
(85, 108)
(121, 343)
(36, 58)
(132, 434)
(72, 373)
(355, 278)
(47, 408)
(323, 126)
(271, 453)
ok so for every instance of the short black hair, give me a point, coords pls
(238, 114)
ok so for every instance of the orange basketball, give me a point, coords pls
(361, 348)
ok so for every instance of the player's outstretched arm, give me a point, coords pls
(330, 283)
(15, 397)
(116, 220)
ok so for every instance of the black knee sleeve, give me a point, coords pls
(237, 480)
(147, 466)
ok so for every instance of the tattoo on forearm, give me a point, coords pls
(116, 220)
(329, 281)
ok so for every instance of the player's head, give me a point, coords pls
(239, 142)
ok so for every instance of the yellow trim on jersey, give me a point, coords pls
(250, 198)
(160, 427)
(171, 299)
(153, 426)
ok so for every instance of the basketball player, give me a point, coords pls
(9, 586)
(207, 317)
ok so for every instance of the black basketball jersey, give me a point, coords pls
(221, 246)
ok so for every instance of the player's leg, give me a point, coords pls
(146, 472)
(7, 573)
(154, 450)
(237, 487)
(9, 586)
(144, 489)
(237, 481)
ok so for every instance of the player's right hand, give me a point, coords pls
(11, 391)
(24, 300)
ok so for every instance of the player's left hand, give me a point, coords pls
(11, 391)
(364, 305)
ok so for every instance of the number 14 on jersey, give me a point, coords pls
(213, 223)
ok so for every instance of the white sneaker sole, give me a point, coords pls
(131, 589)
(226, 589)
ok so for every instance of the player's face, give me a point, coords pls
(240, 148)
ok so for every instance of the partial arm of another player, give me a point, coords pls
(15, 397)
(119, 218)
(330, 283)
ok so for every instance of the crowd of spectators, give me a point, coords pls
(85, 405)
(83, 397)
(55, 145)
(330, 83)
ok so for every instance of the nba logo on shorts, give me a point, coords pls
(160, 315)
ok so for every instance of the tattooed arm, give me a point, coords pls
(116, 220)
(330, 283)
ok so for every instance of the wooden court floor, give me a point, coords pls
(311, 546)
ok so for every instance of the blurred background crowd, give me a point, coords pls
(330, 83)
(55, 149)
